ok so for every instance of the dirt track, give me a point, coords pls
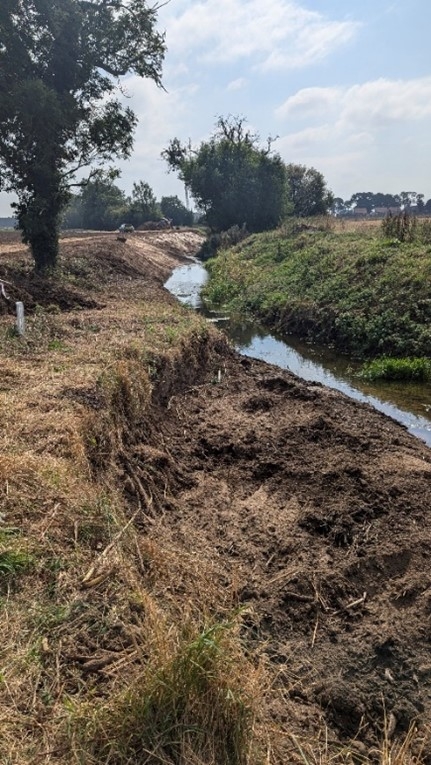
(315, 508)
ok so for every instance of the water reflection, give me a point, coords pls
(408, 404)
(186, 283)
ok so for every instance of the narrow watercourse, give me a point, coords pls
(409, 404)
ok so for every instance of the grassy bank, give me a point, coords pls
(101, 660)
(347, 286)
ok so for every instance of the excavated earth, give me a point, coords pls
(316, 510)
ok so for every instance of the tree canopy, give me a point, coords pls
(142, 205)
(307, 191)
(60, 65)
(101, 205)
(173, 208)
(232, 178)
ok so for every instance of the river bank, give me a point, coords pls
(406, 402)
(205, 558)
(345, 286)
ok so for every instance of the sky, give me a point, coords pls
(344, 86)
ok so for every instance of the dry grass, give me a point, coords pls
(85, 597)
(189, 703)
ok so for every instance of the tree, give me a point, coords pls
(339, 206)
(142, 205)
(233, 180)
(307, 191)
(363, 199)
(103, 205)
(173, 208)
(60, 64)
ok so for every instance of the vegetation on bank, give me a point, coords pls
(411, 370)
(351, 287)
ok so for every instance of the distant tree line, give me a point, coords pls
(367, 200)
(101, 205)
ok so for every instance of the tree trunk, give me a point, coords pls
(44, 247)
(38, 219)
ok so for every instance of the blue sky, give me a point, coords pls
(345, 86)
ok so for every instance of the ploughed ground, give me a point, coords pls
(311, 512)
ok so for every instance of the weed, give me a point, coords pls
(409, 369)
(56, 345)
(171, 335)
(402, 227)
(191, 708)
(13, 563)
(49, 616)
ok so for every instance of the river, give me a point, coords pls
(409, 404)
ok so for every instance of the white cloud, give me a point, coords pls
(277, 34)
(237, 84)
(309, 102)
(162, 116)
(377, 103)
(385, 101)
(355, 130)
(307, 139)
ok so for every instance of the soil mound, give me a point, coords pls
(317, 508)
(89, 263)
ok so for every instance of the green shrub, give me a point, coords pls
(13, 563)
(409, 369)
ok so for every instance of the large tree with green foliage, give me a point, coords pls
(307, 191)
(60, 64)
(232, 178)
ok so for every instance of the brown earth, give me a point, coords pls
(311, 508)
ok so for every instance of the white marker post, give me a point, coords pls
(20, 320)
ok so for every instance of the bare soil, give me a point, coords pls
(317, 508)
(314, 509)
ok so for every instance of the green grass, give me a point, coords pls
(185, 707)
(413, 370)
(13, 563)
(355, 290)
